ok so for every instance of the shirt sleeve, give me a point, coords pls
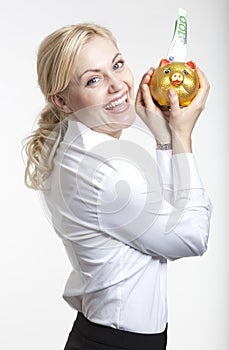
(166, 216)
(165, 171)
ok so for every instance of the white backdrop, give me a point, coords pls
(34, 267)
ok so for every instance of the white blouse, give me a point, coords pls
(121, 212)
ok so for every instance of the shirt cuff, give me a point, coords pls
(164, 162)
(185, 172)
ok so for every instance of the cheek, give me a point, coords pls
(130, 77)
(79, 101)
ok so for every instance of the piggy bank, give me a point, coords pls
(179, 76)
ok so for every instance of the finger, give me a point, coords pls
(147, 98)
(145, 80)
(142, 96)
(203, 79)
(147, 76)
(173, 100)
(201, 97)
(139, 99)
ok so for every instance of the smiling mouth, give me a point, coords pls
(177, 82)
(117, 105)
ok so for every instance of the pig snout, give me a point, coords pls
(177, 78)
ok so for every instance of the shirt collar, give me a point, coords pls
(85, 136)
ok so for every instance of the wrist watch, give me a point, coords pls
(164, 146)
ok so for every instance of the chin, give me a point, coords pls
(122, 120)
(115, 127)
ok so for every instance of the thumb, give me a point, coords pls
(173, 100)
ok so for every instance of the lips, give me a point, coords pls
(117, 105)
(176, 82)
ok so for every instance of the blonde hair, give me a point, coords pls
(56, 60)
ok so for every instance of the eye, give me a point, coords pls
(118, 65)
(92, 81)
(186, 72)
(167, 70)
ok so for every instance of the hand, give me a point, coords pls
(153, 117)
(182, 120)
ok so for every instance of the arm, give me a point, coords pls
(165, 172)
(109, 196)
(156, 121)
(176, 225)
(132, 209)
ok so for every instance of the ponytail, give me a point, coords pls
(40, 147)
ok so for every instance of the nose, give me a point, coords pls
(177, 77)
(115, 84)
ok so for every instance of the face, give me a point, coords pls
(101, 90)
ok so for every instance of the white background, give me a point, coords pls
(34, 267)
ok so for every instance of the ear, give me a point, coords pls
(59, 101)
(163, 62)
(191, 64)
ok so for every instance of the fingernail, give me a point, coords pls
(172, 92)
(144, 87)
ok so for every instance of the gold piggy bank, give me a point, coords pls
(180, 76)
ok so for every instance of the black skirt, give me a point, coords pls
(86, 335)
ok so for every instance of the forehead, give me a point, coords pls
(96, 52)
(178, 67)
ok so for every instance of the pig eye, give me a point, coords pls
(186, 72)
(167, 70)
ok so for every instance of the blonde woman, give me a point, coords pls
(120, 215)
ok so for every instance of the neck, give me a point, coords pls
(115, 134)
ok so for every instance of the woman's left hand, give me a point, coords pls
(182, 120)
(153, 117)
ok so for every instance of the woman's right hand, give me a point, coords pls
(151, 114)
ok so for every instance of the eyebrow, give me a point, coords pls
(98, 70)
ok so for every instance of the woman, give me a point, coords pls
(120, 215)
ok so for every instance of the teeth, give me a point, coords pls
(116, 103)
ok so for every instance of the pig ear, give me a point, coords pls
(191, 64)
(163, 62)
